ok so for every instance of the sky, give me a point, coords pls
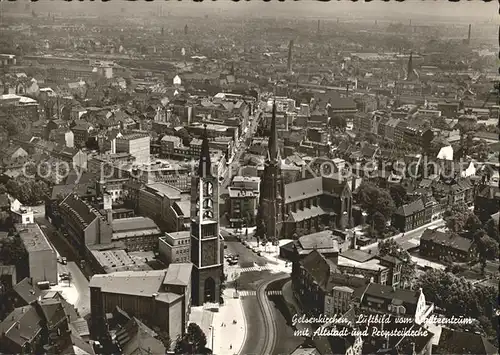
(422, 10)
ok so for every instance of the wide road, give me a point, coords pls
(266, 343)
(406, 240)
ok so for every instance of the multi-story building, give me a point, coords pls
(83, 223)
(412, 215)
(135, 144)
(443, 245)
(158, 297)
(166, 205)
(321, 286)
(22, 110)
(42, 258)
(242, 206)
(137, 233)
(169, 145)
(384, 299)
(175, 247)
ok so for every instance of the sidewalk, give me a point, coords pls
(219, 337)
(230, 334)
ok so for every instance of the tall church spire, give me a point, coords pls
(273, 138)
(409, 71)
(205, 165)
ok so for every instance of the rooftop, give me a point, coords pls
(118, 260)
(133, 224)
(178, 274)
(33, 238)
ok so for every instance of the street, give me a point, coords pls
(79, 295)
(240, 149)
(409, 239)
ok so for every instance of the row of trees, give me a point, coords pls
(458, 296)
(462, 221)
(27, 191)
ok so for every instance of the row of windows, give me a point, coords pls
(182, 251)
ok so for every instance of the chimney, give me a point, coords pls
(18, 325)
(353, 241)
(290, 48)
(468, 37)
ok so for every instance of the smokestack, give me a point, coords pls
(468, 37)
(319, 25)
(290, 48)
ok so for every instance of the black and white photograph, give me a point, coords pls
(249, 177)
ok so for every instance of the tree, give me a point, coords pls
(392, 248)
(456, 217)
(491, 228)
(398, 194)
(479, 150)
(487, 247)
(379, 221)
(373, 199)
(458, 296)
(193, 342)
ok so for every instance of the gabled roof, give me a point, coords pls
(447, 239)
(21, 325)
(456, 342)
(410, 208)
(389, 293)
(178, 274)
(320, 269)
(26, 291)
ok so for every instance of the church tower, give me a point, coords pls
(270, 212)
(410, 72)
(206, 251)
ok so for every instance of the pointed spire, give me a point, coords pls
(409, 72)
(205, 165)
(273, 137)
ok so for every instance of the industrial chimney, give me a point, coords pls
(290, 48)
(468, 37)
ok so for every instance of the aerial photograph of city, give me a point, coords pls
(249, 177)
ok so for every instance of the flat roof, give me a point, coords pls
(179, 235)
(33, 237)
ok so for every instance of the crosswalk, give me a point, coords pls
(246, 293)
(254, 268)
